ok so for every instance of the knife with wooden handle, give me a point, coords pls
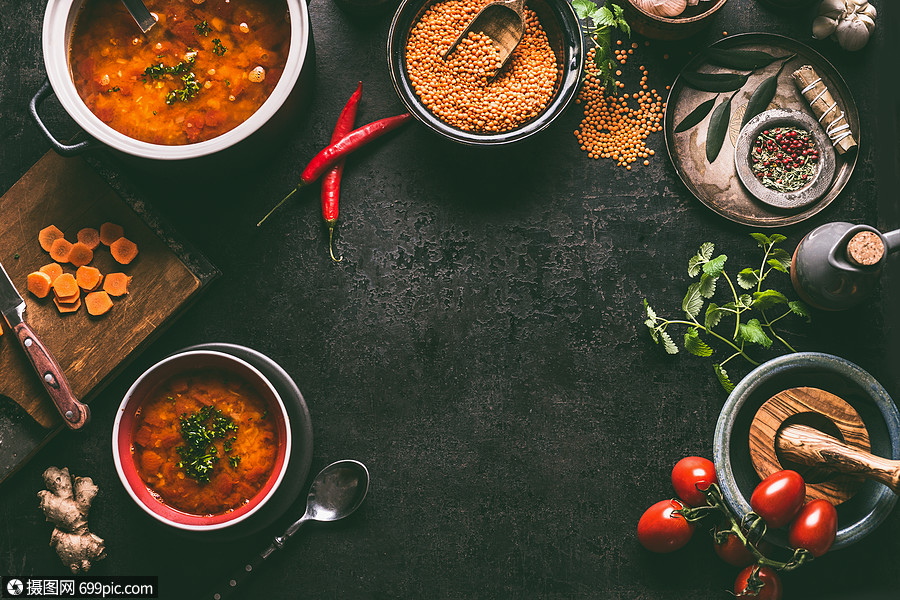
(75, 414)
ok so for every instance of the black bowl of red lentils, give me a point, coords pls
(465, 97)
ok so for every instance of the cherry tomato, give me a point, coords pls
(734, 552)
(778, 498)
(771, 589)
(691, 475)
(814, 527)
(661, 530)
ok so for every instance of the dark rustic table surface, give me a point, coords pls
(480, 348)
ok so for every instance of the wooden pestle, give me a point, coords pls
(809, 446)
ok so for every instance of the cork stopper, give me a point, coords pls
(865, 248)
(825, 108)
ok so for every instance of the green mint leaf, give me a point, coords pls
(708, 285)
(800, 309)
(752, 332)
(767, 299)
(707, 249)
(748, 278)
(715, 266)
(713, 316)
(695, 345)
(723, 378)
(695, 264)
(651, 314)
(776, 238)
(668, 344)
(761, 239)
(782, 256)
(584, 9)
(604, 18)
(745, 300)
(693, 301)
(777, 265)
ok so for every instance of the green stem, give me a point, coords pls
(768, 324)
(714, 334)
(737, 303)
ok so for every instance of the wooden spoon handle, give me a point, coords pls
(809, 446)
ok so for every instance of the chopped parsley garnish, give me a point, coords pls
(218, 48)
(203, 28)
(114, 89)
(190, 89)
(200, 430)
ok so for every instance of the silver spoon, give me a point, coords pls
(141, 15)
(335, 493)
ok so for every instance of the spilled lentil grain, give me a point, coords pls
(460, 90)
(611, 128)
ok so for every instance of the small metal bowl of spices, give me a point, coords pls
(464, 97)
(784, 158)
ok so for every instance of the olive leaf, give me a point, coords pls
(718, 128)
(763, 94)
(715, 82)
(696, 115)
(744, 60)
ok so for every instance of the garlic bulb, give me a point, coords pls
(850, 22)
(662, 8)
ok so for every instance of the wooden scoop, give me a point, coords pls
(502, 21)
(809, 446)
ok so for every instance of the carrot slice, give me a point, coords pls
(65, 286)
(60, 250)
(90, 237)
(39, 284)
(110, 232)
(80, 254)
(116, 284)
(88, 278)
(53, 270)
(48, 235)
(123, 250)
(97, 303)
(67, 307)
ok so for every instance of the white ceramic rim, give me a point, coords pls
(118, 420)
(58, 22)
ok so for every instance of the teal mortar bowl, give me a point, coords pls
(861, 514)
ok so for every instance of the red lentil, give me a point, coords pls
(460, 90)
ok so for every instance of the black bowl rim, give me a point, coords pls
(884, 499)
(572, 69)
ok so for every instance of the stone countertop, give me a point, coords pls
(480, 348)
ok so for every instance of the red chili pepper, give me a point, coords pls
(331, 155)
(331, 183)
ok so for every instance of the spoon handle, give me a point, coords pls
(238, 576)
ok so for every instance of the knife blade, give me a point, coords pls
(75, 414)
(140, 13)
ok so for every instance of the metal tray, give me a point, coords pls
(717, 185)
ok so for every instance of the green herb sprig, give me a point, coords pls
(203, 28)
(598, 23)
(191, 88)
(200, 430)
(218, 48)
(747, 332)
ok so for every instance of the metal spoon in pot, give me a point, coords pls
(337, 491)
(503, 21)
(141, 15)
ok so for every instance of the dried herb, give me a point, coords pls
(715, 82)
(203, 28)
(757, 331)
(696, 115)
(598, 23)
(718, 128)
(218, 48)
(763, 94)
(784, 159)
(742, 60)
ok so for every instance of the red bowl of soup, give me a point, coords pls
(201, 440)
(210, 76)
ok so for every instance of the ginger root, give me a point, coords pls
(66, 506)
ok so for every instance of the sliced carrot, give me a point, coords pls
(123, 250)
(110, 232)
(53, 270)
(39, 284)
(80, 254)
(60, 249)
(67, 307)
(65, 286)
(88, 278)
(116, 284)
(90, 237)
(97, 303)
(48, 235)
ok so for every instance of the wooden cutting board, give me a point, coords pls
(68, 193)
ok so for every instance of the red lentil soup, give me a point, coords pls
(202, 70)
(244, 456)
